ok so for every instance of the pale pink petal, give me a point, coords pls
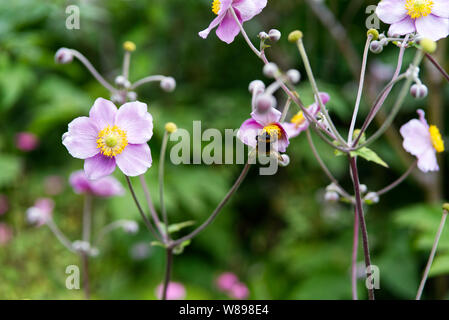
(103, 113)
(135, 159)
(249, 8)
(405, 26)
(283, 142)
(228, 28)
(266, 118)
(432, 27)
(107, 187)
(203, 34)
(428, 161)
(292, 129)
(391, 11)
(441, 8)
(81, 138)
(135, 120)
(416, 137)
(248, 132)
(99, 166)
(79, 182)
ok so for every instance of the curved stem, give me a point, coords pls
(217, 210)
(257, 52)
(360, 91)
(324, 167)
(398, 181)
(150, 204)
(92, 70)
(85, 267)
(359, 210)
(438, 66)
(168, 267)
(139, 208)
(355, 246)
(432, 255)
(107, 229)
(285, 110)
(156, 78)
(87, 217)
(59, 235)
(161, 184)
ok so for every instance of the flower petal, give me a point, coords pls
(270, 116)
(81, 139)
(416, 137)
(391, 11)
(248, 132)
(441, 8)
(406, 25)
(249, 8)
(433, 27)
(79, 182)
(99, 166)
(428, 161)
(203, 34)
(103, 113)
(107, 187)
(134, 118)
(135, 159)
(283, 142)
(228, 28)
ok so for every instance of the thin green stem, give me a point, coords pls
(168, 267)
(87, 217)
(398, 181)
(161, 183)
(150, 204)
(285, 110)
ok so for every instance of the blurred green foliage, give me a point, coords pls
(277, 234)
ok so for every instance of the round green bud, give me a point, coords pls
(446, 207)
(170, 127)
(295, 36)
(374, 34)
(428, 46)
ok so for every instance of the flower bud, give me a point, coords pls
(419, 91)
(270, 70)
(285, 160)
(376, 47)
(129, 46)
(363, 188)
(257, 85)
(131, 227)
(383, 42)
(331, 196)
(371, 198)
(373, 33)
(63, 56)
(274, 35)
(293, 75)
(295, 36)
(132, 96)
(428, 46)
(332, 187)
(170, 127)
(81, 246)
(264, 102)
(263, 36)
(392, 34)
(122, 82)
(446, 207)
(168, 84)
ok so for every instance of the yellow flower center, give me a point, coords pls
(419, 8)
(216, 6)
(111, 141)
(272, 130)
(436, 138)
(298, 119)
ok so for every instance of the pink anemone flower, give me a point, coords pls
(40, 212)
(299, 123)
(226, 280)
(103, 187)
(112, 137)
(26, 141)
(175, 291)
(429, 18)
(264, 125)
(228, 28)
(422, 141)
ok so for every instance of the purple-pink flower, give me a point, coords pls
(228, 28)
(429, 18)
(264, 125)
(239, 291)
(40, 212)
(175, 291)
(5, 234)
(26, 141)
(102, 187)
(112, 137)
(226, 281)
(422, 141)
(298, 123)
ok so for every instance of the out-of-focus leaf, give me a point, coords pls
(10, 167)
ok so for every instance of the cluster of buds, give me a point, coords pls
(273, 35)
(84, 247)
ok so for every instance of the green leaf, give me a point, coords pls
(369, 155)
(11, 166)
(157, 244)
(179, 226)
(440, 266)
(180, 248)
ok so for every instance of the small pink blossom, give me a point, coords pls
(175, 291)
(40, 212)
(423, 142)
(4, 204)
(226, 280)
(26, 141)
(112, 137)
(228, 28)
(103, 187)
(239, 291)
(429, 18)
(5, 234)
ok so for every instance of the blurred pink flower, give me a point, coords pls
(5, 234)
(175, 291)
(226, 280)
(54, 185)
(26, 141)
(103, 187)
(4, 204)
(239, 291)
(41, 212)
